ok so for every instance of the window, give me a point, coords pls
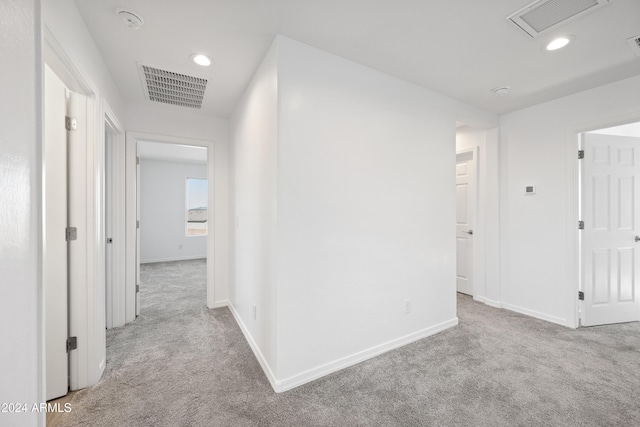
(196, 207)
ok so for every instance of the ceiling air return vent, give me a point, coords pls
(634, 42)
(172, 88)
(543, 15)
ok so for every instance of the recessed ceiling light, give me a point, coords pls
(201, 59)
(559, 42)
(501, 91)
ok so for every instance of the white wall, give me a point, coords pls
(366, 211)
(162, 211)
(631, 129)
(344, 212)
(21, 360)
(182, 123)
(254, 184)
(539, 233)
(63, 19)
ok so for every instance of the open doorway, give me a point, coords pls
(477, 214)
(173, 202)
(170, 204)
(609, 194)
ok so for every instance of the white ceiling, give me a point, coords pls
(460, 48)
(172, 152)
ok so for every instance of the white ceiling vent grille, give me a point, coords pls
(634, 42)
(543, 15)
(172, 88)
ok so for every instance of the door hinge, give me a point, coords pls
(580, 154)
(137, 160)
(72, 343)
(137, 288)
(70, 123)
(581, 296)
(580, 225)
(138, 223)
(71, 233)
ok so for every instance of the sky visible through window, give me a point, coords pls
(197, 204)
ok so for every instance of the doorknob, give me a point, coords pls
(637, 238)
(470, 232)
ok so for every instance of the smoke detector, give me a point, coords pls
(543, 15)
(130, 18)
(501, 91)
(172, 88)
(634, 42)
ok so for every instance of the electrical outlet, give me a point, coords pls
(407, 306)
(255, 314)
(179, 246)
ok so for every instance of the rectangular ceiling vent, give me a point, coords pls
(634, 42)
(172, 88)
(543, 15)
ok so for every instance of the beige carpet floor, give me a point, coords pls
(180, 364)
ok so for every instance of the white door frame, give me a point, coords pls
(87, 308)
(573, 144)
(132, 262)
(486, 233)
(475, 265)
(118, 291)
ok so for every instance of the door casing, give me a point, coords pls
(87, 304)
(132, 214)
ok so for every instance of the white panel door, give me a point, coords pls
(54, 275)
(465, 187)
(610, 242)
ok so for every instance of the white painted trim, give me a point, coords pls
(331, 367)
(344, 362)
(489, 302)
(118, 204)
(572, 135)
(184, 258)
(87, 307)
(130, 228)
(223, 303)
(536, 314)
(132, 138)
(256, 350)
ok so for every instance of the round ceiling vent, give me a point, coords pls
(130, 18)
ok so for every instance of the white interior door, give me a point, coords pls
(55, 244)
(609, 242)
(80, 306)
(137, 229)
(108, 228)
(465, 196)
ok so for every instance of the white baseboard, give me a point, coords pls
(489, 302)
(254, 347)
(361, 356)
(331, 367)
(221, 303)
(184, 258)
(537, 315)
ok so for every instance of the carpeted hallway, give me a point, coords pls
(180, 364)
